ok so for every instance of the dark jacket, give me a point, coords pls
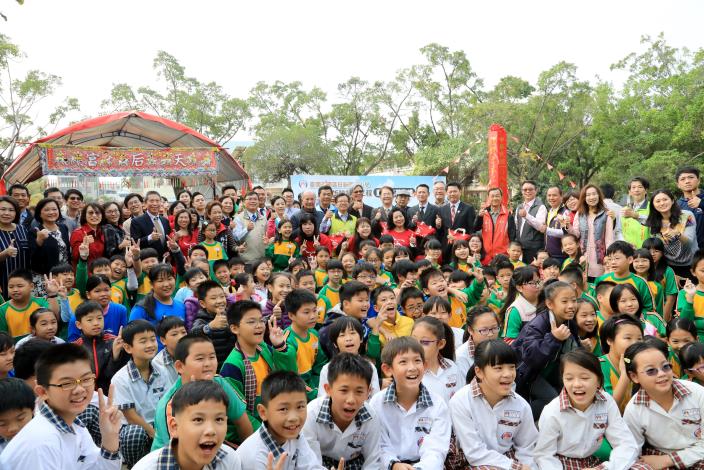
(223, 340)
(366, 211)
(114, 235)
(46, 256)
(537, 347)
(142, 227)
(100, 350)
(431, 212)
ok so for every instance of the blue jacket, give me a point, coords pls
(537, 347)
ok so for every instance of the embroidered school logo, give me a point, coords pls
(512, 414)
(506, 436)
(451, 381)
(423, 425)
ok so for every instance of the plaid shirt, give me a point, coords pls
(477, 390)
(273, 447)
(167, 458)
(565, 403)
(325, 415)
(424, 400)
(63, 427)
(679, 391)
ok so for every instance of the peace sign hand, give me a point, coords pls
(109, 420)
(117, 345)
(276, 334)
(52, 285)
(689, 289)
(279, 463)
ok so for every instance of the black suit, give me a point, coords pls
(366, 212)
(464, 218)
(431, 212)
(141, 229)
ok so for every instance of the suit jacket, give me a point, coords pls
(366, 211)
(431, 212)
(464, 218)
(142, 227)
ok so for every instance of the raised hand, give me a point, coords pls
(171, 243)
(42, 235)
(11, 251)
(329, 214)
(88, 239)
(250, 225)
(689, 290)
(561, 332)
(109, 420)
(51, 284)
(242, 248)
(276, 311)
(438, 221)
(316, 241)
(84, 249)
(279, 463)
(219, 322)
(276, 334)
(155, 235)
(117, 345)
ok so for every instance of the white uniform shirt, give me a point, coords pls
(676, 432)
(255, 449)
(457, 335)
(47, 442)
(420, 434)
(464, 357)
(165, 459)
(566, 431)
(165, 362)
(446, 382)
(485, 434)
(131, 391)
(358, 444)
(324, 379)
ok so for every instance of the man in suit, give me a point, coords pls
(530, 218)
(381, 214)
(455, 215)
(424, 211)
(151, 229)
(359, 208)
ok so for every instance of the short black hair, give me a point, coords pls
(135, 327)
(386, 238)
(399, 346)
(197, 248)
(205, 287)
(219, 263)
(6, 341)
(456, 184)
(362, 267)
(147, 253)
(190, 274)
(616, 295)
(460, 276)
(34, 316)
(603, 286)
(681, 323)
(610, 327)
(349, 364)
(19, 186)
(235, 261)
(641, 346)
(620, 246)
(21, 274)
(639, 179)
(404, 266)
(183, 346)
(303, 273)
(53, 189)
(436, 301)
(349, 290)
(429, 274)
(89, 306)
(282, 381)
(98, 263)
(124, 201)
(237, 310)
(342, 324)
(56, 356)
(380, 290)
(168, 323)
(196, 392)
(335, 264)
(687, 169)
(608, 190)
(323, 188)
(408, 294)
(552, 262)
(573, 273)
(73, 191)
(26, 357)
(297, 298)
(690, 354)
(15, 394)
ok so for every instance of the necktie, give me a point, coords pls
(159, 228)
(453, 211)
(422, 212)
(254, 217)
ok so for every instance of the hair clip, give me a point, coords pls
(626, 360)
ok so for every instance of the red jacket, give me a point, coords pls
(97, 248)
(495, 237)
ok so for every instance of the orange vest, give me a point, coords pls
(494, 237)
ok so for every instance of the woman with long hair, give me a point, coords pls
(594, 227)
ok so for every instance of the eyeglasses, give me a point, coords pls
(653, 371)
(74, 198)
(253, 323)
(358, 191)
(68, 386)
(427, 342)
(488, 331)
(534, 283)
(699, 370)
(414, 308)
(361, 277)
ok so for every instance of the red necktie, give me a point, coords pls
(453, 210)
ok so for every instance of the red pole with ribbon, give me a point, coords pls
(498, 164)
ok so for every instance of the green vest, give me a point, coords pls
(338, 225)
(633, 231)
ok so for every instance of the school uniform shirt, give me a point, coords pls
(485, 434)
(328, 297)
(165, 459)
(464, 356)
(165, 363)
(446, 381)
(373, 386)
(677, 432)
(255, 449)
(693, 310)
(457, 336)
(357, 444)
(114, 317)
(161, 310)
(402, 326)
(132, 392)
(518, 314)
(15, 321)
(48, 438)
(567, 431)
(611, 376)
(420, 434)
(636, 281)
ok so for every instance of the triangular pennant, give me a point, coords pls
(550, 167)
(445, 170)
(573, 184)
(560, 175)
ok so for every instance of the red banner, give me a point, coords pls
(102, 161)
(498, 164)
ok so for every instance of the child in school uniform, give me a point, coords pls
(617, 334)
(211, 319)
(440, 308)
(170, 330)
(283, 250)
(442, 376)
(198, 426)
(574, 425)
(280, 434)
(14, 314)
(415, 422)
(138, 388)
(521, 301)
(329, 295)
(43, 325)
(493, 425)
(691, 357)
(680, 331)
(17, 402)
(340, 425)
(665, 415)
(54, 434)
(690, 300)
(252, 359)
(393, 324)
(482, 325)
(585, 317)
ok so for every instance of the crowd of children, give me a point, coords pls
(366, 354)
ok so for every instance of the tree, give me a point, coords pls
(204, 107)
(19, 99)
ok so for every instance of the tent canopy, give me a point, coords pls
(124, 129)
